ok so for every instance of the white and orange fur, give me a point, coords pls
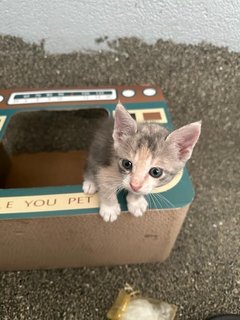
(137, 157)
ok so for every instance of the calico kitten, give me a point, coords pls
(137, 157)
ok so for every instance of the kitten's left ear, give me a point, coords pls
(185, 139)
(124, 124)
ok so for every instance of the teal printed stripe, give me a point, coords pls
(41, 191)
(8, 114)
(177, 197)
(46, 214)
(108, 107)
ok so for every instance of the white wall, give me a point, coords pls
(69, 25)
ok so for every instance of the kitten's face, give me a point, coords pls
(145, 160)
(148, 156)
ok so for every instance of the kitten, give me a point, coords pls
(137, 157)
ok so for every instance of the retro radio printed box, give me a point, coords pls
(45, 219)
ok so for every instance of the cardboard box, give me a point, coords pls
(45, 219)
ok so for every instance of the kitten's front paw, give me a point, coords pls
(109, 213)
(137, 205)
(89, 187)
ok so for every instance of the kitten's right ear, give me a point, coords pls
(124, 124)
(184, 139)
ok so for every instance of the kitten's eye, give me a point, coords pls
(155, 172)
(127, 164)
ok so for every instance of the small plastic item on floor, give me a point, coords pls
(131, 305)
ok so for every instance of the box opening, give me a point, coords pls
(47, 148)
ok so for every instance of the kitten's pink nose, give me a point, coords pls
(135, 186)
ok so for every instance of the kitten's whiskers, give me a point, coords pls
(161, 199)
(158, 201)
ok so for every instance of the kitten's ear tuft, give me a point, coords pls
(185, 139)
(124, 124)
